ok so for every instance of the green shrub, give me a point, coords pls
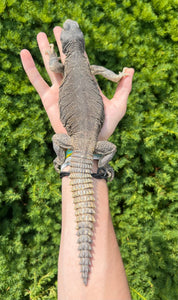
(141, 34)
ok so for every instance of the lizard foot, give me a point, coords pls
(106, 171)
(56, 163)
(122, 74)
(54, 64)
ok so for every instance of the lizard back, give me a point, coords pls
(81, 105)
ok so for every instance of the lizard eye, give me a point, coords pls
(67, 26)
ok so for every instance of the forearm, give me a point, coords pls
(107, 280)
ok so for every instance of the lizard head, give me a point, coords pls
(71, 37)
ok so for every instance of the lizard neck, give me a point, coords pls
(74, 49)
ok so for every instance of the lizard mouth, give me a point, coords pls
(70, 25)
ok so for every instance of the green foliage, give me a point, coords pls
(137, 33)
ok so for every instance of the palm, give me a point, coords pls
(50, 102)
(114, 108)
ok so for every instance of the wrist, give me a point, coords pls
(94, 168)
(65, 167)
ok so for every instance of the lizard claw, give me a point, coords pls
(123, 73)
(51, 52)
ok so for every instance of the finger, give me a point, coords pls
(124, 87)
(44, 47)
(118, 103)
(57, 33)
(34, 76)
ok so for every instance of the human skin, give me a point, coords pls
(107, 279)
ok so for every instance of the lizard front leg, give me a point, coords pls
(108, 74)
(61, 142)
(54, 64)
(106, 150)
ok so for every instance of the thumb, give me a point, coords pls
(124, 87)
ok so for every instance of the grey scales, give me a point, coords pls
(82, 115)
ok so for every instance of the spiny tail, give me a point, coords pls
(84, 202)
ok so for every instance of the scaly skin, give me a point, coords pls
(84, 202)
(82, 114)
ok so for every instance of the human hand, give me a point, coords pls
(114, 109)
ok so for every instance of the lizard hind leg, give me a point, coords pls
(106, 150)
(61, 142)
